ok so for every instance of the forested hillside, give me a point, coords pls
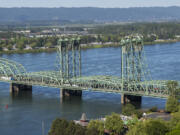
(90, 14)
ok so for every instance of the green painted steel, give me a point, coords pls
(69, 57)
(135, 77)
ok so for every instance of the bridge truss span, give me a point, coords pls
(135, 77)
(10, 69)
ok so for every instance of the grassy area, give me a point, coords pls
(162, 42)
(29, 51)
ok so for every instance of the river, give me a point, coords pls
(24, 114)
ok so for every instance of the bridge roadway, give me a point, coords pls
(154, 88)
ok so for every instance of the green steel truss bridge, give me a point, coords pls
(135, 77)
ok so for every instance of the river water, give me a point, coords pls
(25, 114)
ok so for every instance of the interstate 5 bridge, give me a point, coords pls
(135, 80)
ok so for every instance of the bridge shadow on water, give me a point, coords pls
(25, 96)
(71, 100)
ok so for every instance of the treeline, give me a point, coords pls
(113, 125)
(19, 42)
(138, 125)
(150, 31)
(111, 34)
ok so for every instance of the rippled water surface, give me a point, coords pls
(24, 114)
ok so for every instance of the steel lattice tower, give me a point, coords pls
(133, 63)
(69, 57)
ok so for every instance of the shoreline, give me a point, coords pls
(88, 46)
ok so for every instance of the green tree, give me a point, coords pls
(99, 39)
(149, 127)
(71, 129)
(176, 130)
(21, 44)
(63, 127)
(114, 124)
(153, 109)
(172, 101)
(175, 119)
(9, 47)
(48, 44)
(58, 127)
(156, 127)
(138, 113)
(172, 87)
(79, 130)
(33, 45)
(74, 129)
(137, 129)
(1, 48)
(132, 123)
(40, 42)
(92, 131)
(128, 109)
(172, 104)
(98, 125)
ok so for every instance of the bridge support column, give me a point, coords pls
(130, 99)
(68, 93)
(19, 87)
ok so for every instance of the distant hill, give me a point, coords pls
(90, 14)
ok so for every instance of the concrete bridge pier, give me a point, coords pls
(14, 87)
(130, 99)
(68, 93)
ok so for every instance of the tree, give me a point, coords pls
(153, 109)
(155, 127)
(1, 48)
(9, 47)
(131, 123)
(172, 104)
(138, 113)
(177, 93)
(176, 130)
(98, 125)
(175, 119)
(48, 44)
(172, 87)
(20, 44)
(99, 38)
(33, 45)
(149, 127)
(40, 42)
(137, 129)
(58, 127)
(128, 109)
(92, 131)
(172, 101)
(114, 124)
(71, 129)
(63, 127)
(79, 130)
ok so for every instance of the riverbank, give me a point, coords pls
(39, 50)
(162, 42)
(88, 46)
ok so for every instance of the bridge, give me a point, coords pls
(135, 80)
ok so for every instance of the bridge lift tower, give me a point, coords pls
(69, 64)
(133, 66)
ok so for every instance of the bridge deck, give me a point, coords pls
(156, 88)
